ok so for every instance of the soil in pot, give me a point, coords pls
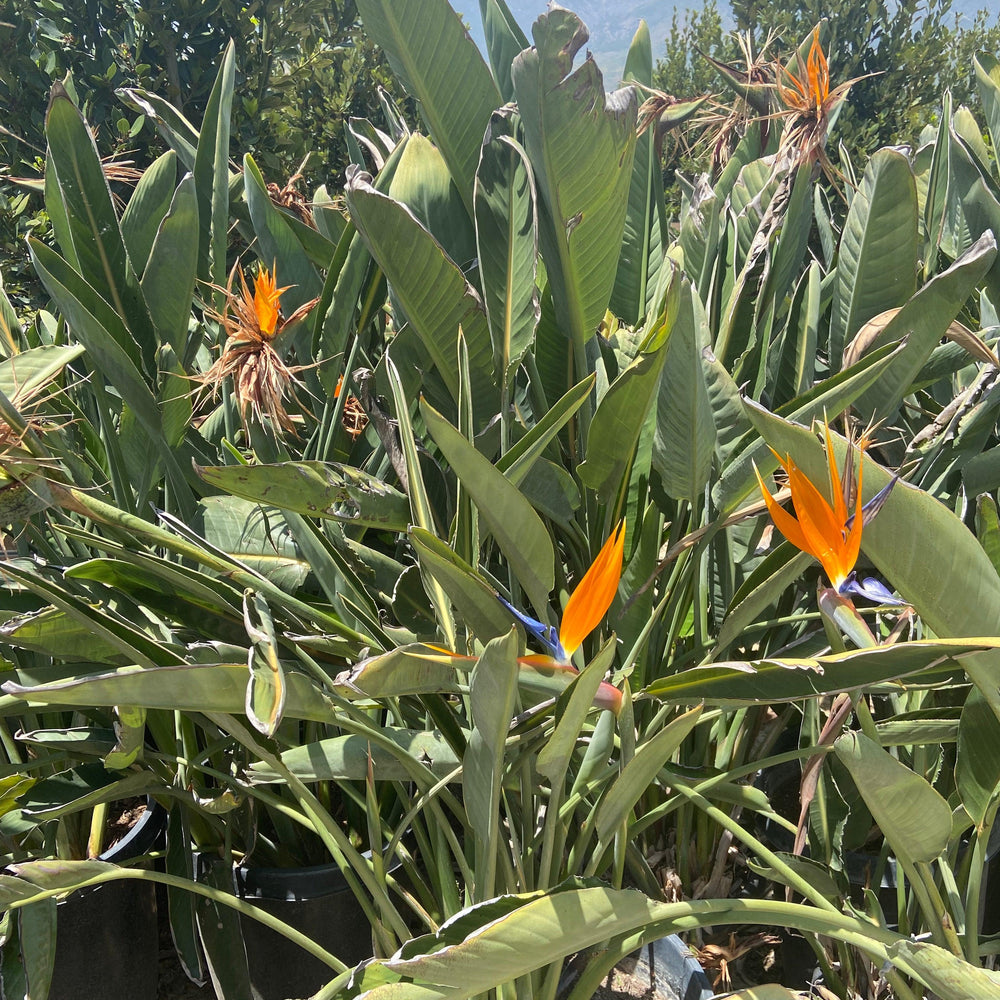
(107, 938)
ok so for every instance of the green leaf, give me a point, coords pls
(59, 635)
(988, 84)
(277, 245)
(179, 134)
(625, 407)
(947, 975)
(24, 374)
(412, 669)
(572, 710)
(211, 174)
(210, 687)
(519, 459)
(429, 286)
(684, 443)
(504, 40)
(973, 206)
(877, 263)
(921, 323)
(346, 758)
(977, 768)
(507, 241)
(147, 207)
(761, 589)
(581, 143)
(436, 60)
(317, 489)
(914, 819)
(474, 599)
(37, 932)
(518, 934)
(245, 531)
(791, 678)
(639, 774)
(642, 248)
(518, 530)
(84, 787)
(421, 181)
(97, 245)
(168, 281)
(493, 696)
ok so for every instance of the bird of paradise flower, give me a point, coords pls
(587, 606)
(827, 532)
(261, 378)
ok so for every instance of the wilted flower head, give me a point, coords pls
(808, 101)
(261, 379)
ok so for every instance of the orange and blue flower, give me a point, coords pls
(587, 605)
(827, 532)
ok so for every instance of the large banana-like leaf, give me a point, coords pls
(108, 343)
(168, 281)
(581, 143)
(642, 247)
(913, 817)
(432, 290)
(684, 443)
(317, 489)
(436, 60)
(474, 599)
(507, 241)
(422, 182)
(504, 40)
(922, 323)
(146, 208)
(988, 84)
(218, 687)
(789, 679)
(211, 174)
(493, 697)
(921, 547)
(97, 245)
(973, 206)
(355, 756)
(624, 408)
(277, 245)
(877, 264)
(25, 374)
(518, 530)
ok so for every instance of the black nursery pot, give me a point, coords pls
(107, 942)
(316, 901)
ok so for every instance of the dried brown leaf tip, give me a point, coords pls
(292, 199)
(354, 419)
(261, 380)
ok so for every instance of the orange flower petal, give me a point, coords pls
(593, 595)
(784, 521)
(836, 486)
(266, 299)
(820, 526)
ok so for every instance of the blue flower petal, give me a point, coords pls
(871, 589)
(545, 634)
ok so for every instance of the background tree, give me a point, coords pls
(914, 48)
